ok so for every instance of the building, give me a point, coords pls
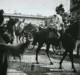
(33, 19)
(75, 8)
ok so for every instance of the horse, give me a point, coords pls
(48, 37)
(68, 40)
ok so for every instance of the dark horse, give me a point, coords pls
(68, 40)
(48, 37)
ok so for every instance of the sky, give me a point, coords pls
(33, 7)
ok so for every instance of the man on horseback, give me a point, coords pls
(56, 24)
(56, 21)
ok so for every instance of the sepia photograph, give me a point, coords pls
(39, 37)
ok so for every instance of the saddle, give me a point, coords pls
(53, 34)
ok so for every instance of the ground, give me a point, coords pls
(28, 65)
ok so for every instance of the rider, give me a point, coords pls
(56, 24)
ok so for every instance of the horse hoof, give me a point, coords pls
(60, 67)
(51, 63)
(75, 70)
(37, 62)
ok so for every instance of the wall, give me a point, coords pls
(33, 20)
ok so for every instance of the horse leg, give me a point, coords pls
(64, 55)
(37, 52)
(47, 51)
(33, 44)
(71, 58)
